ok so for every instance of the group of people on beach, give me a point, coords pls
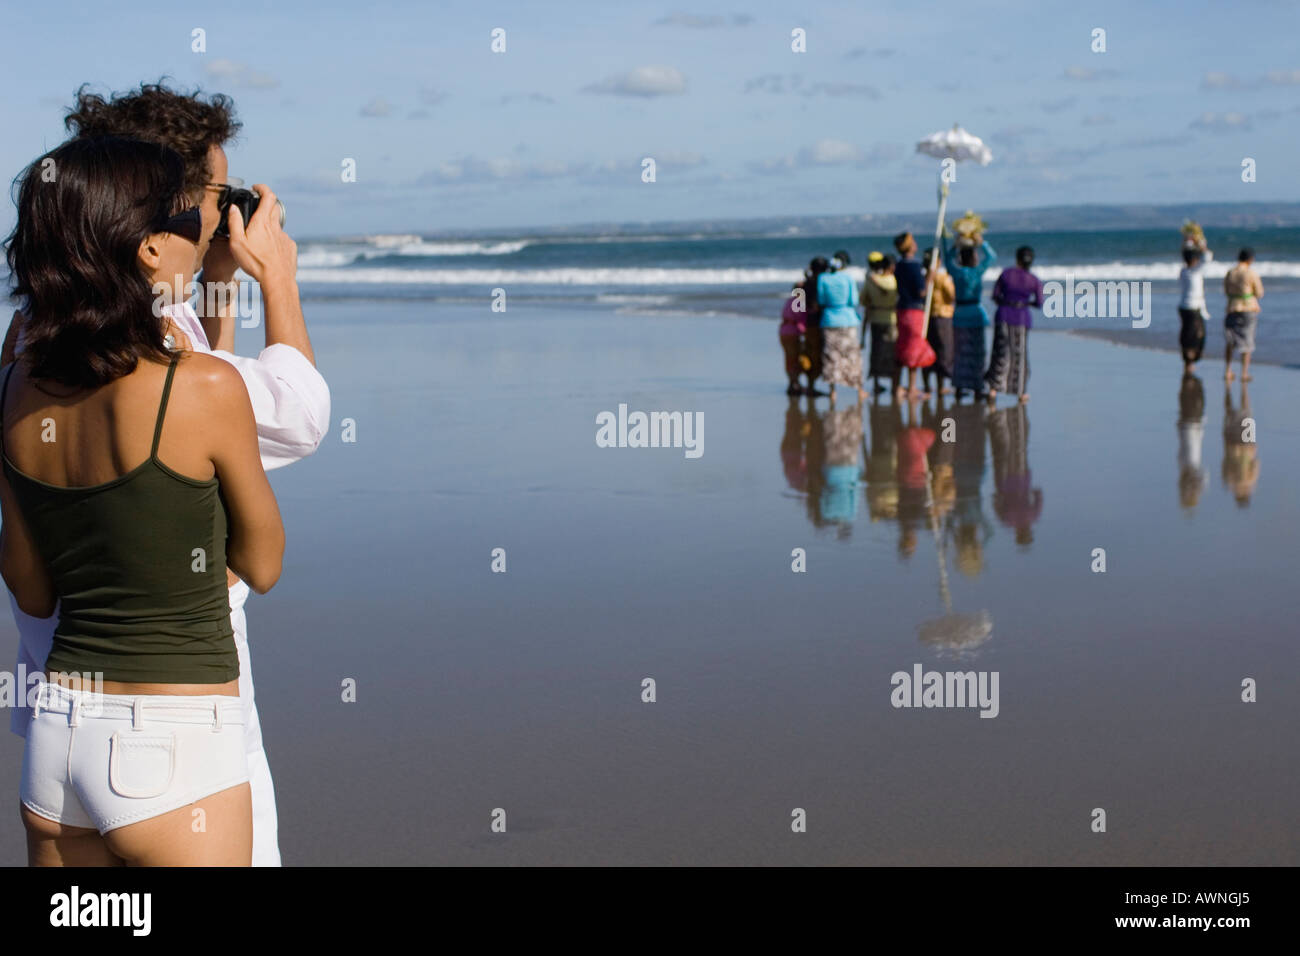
(1241, 287)
(137, 514)
(822, 335)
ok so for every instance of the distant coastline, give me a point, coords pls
(1076, 218)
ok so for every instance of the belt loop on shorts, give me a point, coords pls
(74, 715)
(40, 694)
(216, 713)
(137, 714)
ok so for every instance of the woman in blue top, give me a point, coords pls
(837, 296)
(967, 267)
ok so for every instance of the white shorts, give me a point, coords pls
(107, 760)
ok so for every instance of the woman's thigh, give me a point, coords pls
(57, 844)
(216, 830)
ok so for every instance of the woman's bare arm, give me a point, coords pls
(255, 536)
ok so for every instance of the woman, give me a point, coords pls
(1015, 292)
(133, 558)
(791, 332)
(967, 268)
(811, 357)
(837, 297)
(880, 297)
(914, 352)
(939, 334)
(1192, 311)
(1242, 287)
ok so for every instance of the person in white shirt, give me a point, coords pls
(1191, 304)
(291, 400)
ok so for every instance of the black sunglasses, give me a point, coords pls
(187, 224)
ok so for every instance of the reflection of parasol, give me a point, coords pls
(958, 145)
(952, 632)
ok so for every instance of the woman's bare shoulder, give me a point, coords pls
(207, 373)
(209, 387)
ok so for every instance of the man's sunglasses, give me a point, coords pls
(224, 190)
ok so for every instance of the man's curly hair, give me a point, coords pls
(189, 123)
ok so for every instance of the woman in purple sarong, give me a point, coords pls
(1016, 291)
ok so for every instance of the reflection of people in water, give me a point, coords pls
(968, 528)
(1240, 452)
(956, 632)
(1192, 476)
(833, 466)
(914, 441)
(794, 461)
(1017, 503)
(881, 473)
(943, 492)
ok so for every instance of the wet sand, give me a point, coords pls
(522, 690)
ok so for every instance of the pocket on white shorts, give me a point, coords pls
(141, 766)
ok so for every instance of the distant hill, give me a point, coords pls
(1219, 215)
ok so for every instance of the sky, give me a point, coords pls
(447, 134)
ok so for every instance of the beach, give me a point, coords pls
(523, 691)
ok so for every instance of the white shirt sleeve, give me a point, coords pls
(291, 402)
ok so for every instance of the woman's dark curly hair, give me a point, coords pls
(187, 122)
(83, 210)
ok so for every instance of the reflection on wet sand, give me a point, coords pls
(957, 522)
(1192, 476)
(1240, 451)
(820, 457)
(920, 466)
(967, 528)
(923, 468)
(1016, 502)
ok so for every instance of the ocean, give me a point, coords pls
(748, 274)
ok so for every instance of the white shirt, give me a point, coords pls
(1191, 284)
(291, 403)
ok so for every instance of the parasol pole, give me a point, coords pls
(934, 256)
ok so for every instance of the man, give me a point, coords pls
(291, 400)
(1242, 287)
(913, 351)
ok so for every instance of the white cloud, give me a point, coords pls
(780, 83)
(233, 73)
(642, 81)
(1222, 122)
(1282, 77)
(1215, 80)
(703, 22)
(830, 152)
(476, 169)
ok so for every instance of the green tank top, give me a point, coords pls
(139, 567)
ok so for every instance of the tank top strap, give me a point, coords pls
(162, 406)
(4, 393)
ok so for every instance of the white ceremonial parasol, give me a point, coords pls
(962, 147)
(952, 632)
